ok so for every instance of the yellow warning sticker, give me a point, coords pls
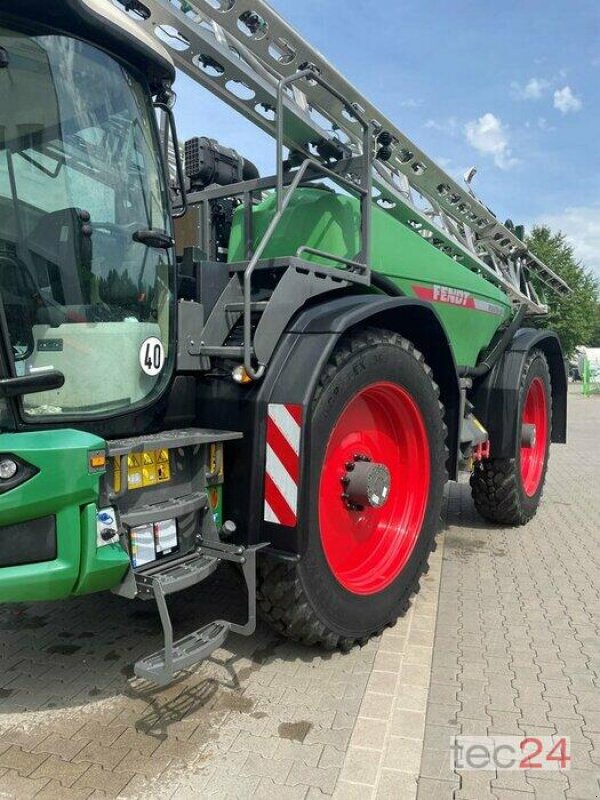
(143, 469)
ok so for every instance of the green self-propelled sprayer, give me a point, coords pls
(199, 364)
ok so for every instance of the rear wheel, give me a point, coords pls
(376, 483)
(509, 490)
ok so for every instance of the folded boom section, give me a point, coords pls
(241, 50)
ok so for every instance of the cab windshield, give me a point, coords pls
(80, 177)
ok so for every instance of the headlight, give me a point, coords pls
(14, 471)
(8, 469)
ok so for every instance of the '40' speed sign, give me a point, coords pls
(152, 356)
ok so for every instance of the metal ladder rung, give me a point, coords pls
(178, 576)
(186, 652)
(254, 306)
(176, 655)
(224, 351)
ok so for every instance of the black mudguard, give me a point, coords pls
(496, 397)
(291, 379)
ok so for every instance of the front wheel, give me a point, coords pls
(376, 484)
(509, 490)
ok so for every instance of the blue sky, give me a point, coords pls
(512, 88)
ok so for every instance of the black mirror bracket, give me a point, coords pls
(30, 384)
(165, 102)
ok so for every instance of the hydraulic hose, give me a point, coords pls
(498, 350)
(386, 285)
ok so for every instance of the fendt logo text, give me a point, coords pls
(446, 294)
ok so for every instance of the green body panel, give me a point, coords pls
(326, 221)
(101, 567)
(63, 487)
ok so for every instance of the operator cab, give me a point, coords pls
(86, 265)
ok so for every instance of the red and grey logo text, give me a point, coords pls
(448, 295)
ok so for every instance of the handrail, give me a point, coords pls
(252, 373)
(322, 254)
(311, 73)
(284, 197)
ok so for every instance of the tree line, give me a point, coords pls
(576, 317)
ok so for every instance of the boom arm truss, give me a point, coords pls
(242, 51)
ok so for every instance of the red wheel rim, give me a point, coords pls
(533, 458)
(367, 549)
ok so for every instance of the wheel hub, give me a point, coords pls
(528, 435)
(366, 484)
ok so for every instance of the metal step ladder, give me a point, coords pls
(298, 279)
(163, 580)
(246, 54)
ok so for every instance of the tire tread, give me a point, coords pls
(495, 483)
(281, 598)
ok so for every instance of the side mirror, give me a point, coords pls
(163, 104)
(30, 384)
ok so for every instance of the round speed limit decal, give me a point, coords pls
(152, 356)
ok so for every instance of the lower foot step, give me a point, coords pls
(160, 666)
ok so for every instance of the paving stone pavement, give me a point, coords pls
(517, 649)
(384, 754)
(262, 716)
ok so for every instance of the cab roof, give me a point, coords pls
(102, 23)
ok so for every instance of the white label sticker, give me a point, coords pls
(107, 529)
(152, 356)
(143, 549)
(165, 534)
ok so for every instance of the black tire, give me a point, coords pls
(304, 600)
(496, 483)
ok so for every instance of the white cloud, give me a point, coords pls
(449, 126)
(581, 226)
(534, 89)
(411, 102)
(541, 123)
(544, 125)
(488, 135)
(565, 100)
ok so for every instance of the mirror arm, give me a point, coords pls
(167, 109)
(30, 384)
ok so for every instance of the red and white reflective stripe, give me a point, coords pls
(282, 475)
